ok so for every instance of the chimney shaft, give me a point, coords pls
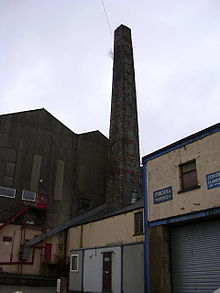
(124, 159)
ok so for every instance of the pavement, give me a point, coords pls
(26, 289)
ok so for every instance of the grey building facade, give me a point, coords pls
(40, 156)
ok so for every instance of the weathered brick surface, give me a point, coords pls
(124, 167)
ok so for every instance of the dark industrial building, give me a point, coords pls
(50, 176)
(58, 174)
(47, 171)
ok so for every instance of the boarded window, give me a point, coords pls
(10, 168)
(138, 224)
(28, 195)
(35, 173)
(85, 204)
(7, 192)
(188, 175)
(58, 191)
(7, 238)
(74, 263)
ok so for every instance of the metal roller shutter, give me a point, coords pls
(195, 257)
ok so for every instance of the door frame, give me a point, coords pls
(106, 254)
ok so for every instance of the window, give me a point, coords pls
(188, 176)
(74, 263)
(9, 174)
(28, 195)
(7, 192)
(85, 204)
(7, 239)
(138, 224)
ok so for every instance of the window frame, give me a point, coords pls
(7, 239)
(85, 199)
(12, 189)
(184, 188)
(138, 225)
(77, 263)
(28, 199)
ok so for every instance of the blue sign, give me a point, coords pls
(213, 180)
(163, 195)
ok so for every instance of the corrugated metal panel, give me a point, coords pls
(195, 257)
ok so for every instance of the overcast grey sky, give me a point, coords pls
(55, 54)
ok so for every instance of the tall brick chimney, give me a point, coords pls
(123, 178)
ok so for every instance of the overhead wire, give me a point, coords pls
(107, 18)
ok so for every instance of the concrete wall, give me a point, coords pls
(35, 141)
(159, 260)
(91, 168)
(109, 231)
(10, 251)
(34, 145)
(164, 172)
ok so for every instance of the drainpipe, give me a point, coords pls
(146, 231)
(12, 247)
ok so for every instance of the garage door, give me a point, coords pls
(195, 257)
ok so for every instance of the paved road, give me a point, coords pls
(25, 289)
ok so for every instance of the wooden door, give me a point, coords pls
(107, 271)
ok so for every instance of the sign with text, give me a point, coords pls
(163, 195)
(213, 180)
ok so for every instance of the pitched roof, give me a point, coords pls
(41, 117)
(105, 213)
(96, 214)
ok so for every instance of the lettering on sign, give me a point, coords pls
(213, 180)
(163, 195)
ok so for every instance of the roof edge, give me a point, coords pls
(44, 109)
(20, 112)
(127, 209)
(93, 131)
(182, 142)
